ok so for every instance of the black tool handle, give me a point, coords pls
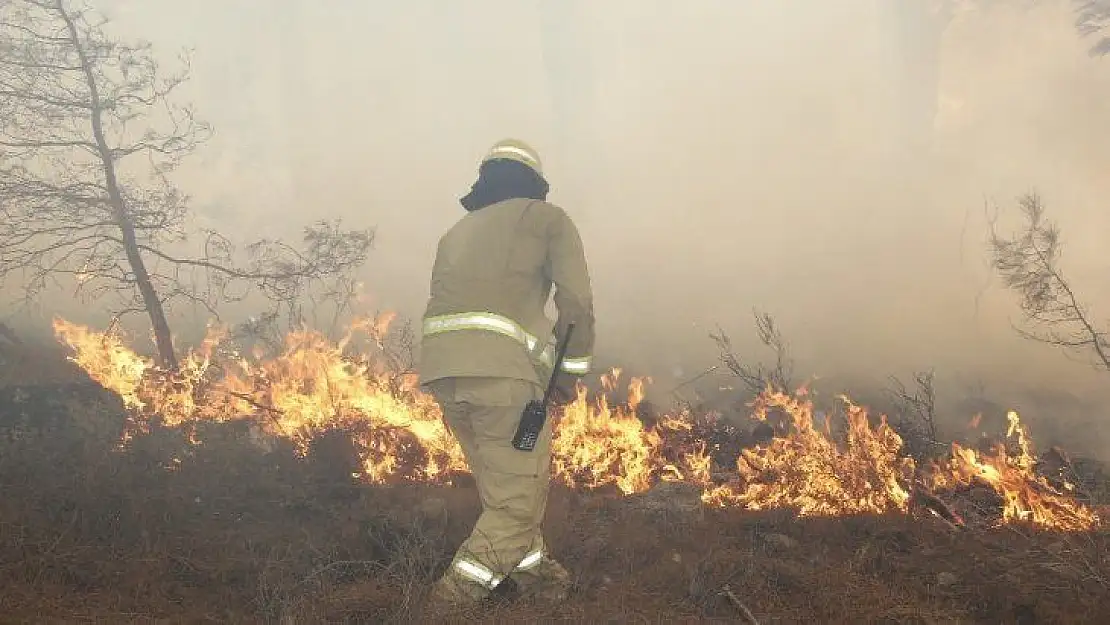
(559, 356)
(534, 416)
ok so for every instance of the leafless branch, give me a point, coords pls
(746, 613)
(758, 377)
(916, 414)
(1028, 263)
(89, 133)
(1092, 19)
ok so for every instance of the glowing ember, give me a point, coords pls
(314, 385)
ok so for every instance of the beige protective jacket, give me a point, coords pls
(494, 272)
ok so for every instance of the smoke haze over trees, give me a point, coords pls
(827, 166)
(79, 112)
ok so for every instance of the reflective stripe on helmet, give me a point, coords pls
(512, 149)
(478, 573)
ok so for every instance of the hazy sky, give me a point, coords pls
(717, 156)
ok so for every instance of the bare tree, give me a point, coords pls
(916, 412)
(1028, 263)
(1093, 19)
(758, 376)
(88, 137)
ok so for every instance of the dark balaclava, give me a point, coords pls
(503, 179)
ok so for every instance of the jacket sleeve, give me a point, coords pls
(566, 266)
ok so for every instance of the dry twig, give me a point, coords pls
(739, 605)
(937, 507)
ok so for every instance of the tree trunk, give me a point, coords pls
(918, 30)
(153, 304)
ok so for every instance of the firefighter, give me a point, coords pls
(487, 349)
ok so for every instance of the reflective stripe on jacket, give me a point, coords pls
(494, 272)
(490, 322)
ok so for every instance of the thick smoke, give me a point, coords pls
(826, 162)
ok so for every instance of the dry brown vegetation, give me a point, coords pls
(168, 531)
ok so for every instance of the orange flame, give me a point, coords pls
(314, 384)
(311, 385)
(808, 471)
(1026, 496)
(597, 445)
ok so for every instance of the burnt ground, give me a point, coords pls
(227, 532)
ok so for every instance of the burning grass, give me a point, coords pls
(315, 385)
(317, 485)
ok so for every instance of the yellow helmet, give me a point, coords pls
(515, 150)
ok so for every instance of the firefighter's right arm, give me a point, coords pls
(566, 267)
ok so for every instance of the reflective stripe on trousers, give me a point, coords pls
(491, 322)
(484, 576)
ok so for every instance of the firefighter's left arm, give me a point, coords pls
(567, 269)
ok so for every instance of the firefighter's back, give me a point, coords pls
(489, 288)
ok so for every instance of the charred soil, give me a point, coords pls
(210, 526)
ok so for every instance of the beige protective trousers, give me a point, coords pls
(483, 413)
